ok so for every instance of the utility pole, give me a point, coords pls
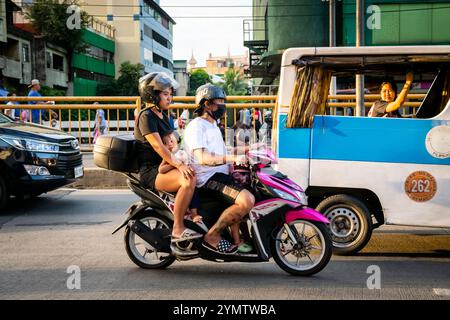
(332, 42)
(360, 109)
(332, 16)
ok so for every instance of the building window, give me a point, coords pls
(58, 62)
(161, 40)
(162, 61)
(48, 58)
(148, 56)
(148, 31)
(148, 10)
(100, 54)
(25, 52)
(157, 17)
(165, 22)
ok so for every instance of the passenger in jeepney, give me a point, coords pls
(390, 103)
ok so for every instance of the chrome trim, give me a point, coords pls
(258, 237)
(291, 235)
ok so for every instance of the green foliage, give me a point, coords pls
(234, 84)
(129, 77)
(50, 17)
(51, 92)
(108, 88)
(126, 84)
(197, 78)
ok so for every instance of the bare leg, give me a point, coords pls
(173, 181)
(195, 216)
(235, 233)
(232, 215)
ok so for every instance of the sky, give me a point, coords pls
(205, 36)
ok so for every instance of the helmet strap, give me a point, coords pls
(211, 114)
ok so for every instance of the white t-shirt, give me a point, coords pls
(10, 112)
(202, 134)
(181, 156)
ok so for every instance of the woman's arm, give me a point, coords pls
(402, 96)
(164, 167)
(155, 141)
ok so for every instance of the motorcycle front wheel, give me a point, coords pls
(141, 252)
(304, 249)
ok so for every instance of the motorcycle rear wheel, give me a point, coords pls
(311, 253)
(141, 252)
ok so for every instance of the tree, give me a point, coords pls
(51, 92)
(234, 84)
(129, 78)
(108, 88)
(197, 78)
(60, 25)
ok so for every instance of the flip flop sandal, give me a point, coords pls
(187, 234)
(180, 252)
(245, 248)
(224, 247)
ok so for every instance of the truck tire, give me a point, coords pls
(350, 223)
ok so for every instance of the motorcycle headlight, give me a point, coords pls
(286, 196)
(30, 144)
(302, 197)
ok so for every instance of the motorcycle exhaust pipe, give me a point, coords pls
(157, 238)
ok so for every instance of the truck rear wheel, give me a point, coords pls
(350, 223)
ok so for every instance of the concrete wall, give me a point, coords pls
(182, 77)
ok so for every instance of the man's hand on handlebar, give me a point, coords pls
(257, 146)
(240, 159)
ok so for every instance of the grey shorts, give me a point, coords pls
(223, 187)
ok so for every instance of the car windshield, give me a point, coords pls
(4, 119)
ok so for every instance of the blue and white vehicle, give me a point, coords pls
(363, 172)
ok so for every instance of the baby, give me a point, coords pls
(171, 142)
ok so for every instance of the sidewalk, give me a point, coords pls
(97, 178)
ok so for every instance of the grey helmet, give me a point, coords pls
(207, 92)
(151, 84)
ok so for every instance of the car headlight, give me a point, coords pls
(36, 170)
(30, 144)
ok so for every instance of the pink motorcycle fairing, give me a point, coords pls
(305, 213)
(286, 185)
(298, 211)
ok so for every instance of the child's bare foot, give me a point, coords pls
(197, 218)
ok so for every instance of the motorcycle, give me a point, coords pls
(280, 225)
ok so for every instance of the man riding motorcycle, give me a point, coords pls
(204, 143)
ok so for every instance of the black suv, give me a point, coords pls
(35, 159)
